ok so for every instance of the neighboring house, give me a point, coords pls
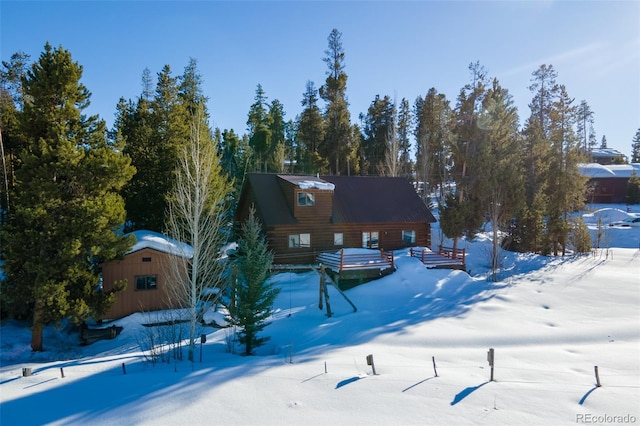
(144, 269)
(608, 184)
(606, 156)
(303, 216)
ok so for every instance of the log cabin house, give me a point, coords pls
(303, 216)
(608, 183)
(144, 268)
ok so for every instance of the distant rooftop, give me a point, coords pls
(595, 170)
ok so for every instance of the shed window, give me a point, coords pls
(146, 282)
(409, 237)
(299, 240)
(146, 259)
(338, 239)
(306, 199)
(370, 239)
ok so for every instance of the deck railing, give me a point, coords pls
(342, 261)
(444, 256)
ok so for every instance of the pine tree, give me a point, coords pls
(635, 148)
(277, 129)
(254, 294)
(404, 129)
(603, 142)
(154, 132)
(310, 134)
(503, 164)
(378, 125)
(633, 189)
(584, 125)
(337, 147)
(432, 132)
(258, 125)
(469, 152)
(67, 210)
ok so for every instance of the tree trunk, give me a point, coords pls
(36, 329)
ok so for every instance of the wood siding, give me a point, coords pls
(607, 190)
(322, 238)
(130, 300)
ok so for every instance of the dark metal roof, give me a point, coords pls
(372, 199)
(356, 199)
(269, 199)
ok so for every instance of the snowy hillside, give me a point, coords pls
(550, 321)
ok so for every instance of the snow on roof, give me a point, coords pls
(595, 170)
(308, 184)
(156, 241)
(605, 152)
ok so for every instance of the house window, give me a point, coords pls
(338, 239)
(370, 239)
(299, 240)
(146, 259)
(409, 237)
(146, 282)
(306, 199)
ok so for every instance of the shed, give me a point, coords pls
(144, 269)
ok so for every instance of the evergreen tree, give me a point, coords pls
(633, 189)
(635, 148)
(337, 147)
(554, 186)
(469, 152)
(11, 140)
(603, 142)
(404, 128)
(503, 163)
(310, 134)
(432, 132)
(378, 126)
(277, 129)
(584, 125)
(67, 210)
(253, 294)
(154, 132)
(259, 127)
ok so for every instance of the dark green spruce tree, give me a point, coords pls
(337, 147)
(67, 210)
(310, 134)
(253, 294)
(259, 127)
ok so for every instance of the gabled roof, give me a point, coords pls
(356, 199)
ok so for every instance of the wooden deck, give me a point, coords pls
(444, 258)
(341, 261)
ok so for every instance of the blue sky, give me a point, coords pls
(400, 49)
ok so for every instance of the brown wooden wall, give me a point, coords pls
(322, 233)
(131, 300)
(607, 190)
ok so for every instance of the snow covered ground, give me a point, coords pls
(550, 321)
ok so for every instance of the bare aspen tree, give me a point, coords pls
(197, 216)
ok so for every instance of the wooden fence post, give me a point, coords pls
(595, 368)
(490, 358)
(370, 362)
(433, 359)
